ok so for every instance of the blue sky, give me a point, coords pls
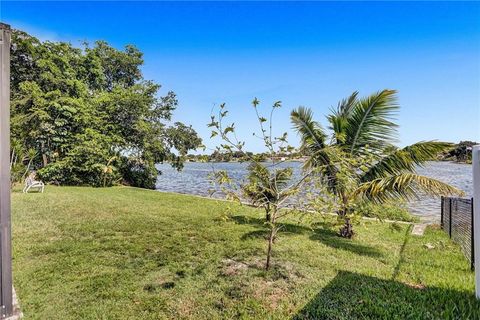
(309, 53)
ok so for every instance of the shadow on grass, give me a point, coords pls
(256, 234)
(323, 233)
(286, 228)
(401, 260)
(330, 238)
(356, 296)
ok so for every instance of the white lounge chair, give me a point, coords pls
(31, 183)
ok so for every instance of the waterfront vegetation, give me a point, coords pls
(124, 253)
(355, 166)
(87, 117)
(461, 152)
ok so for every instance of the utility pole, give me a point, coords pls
(6, 294)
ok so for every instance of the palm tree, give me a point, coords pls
(358, 161)
(107, 170)
(266, 189)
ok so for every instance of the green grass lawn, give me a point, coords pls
(126, 253)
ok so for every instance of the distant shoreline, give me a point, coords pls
(300, 160)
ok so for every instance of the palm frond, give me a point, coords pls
(407, 186)
(258, 173)
(346, 105)
(339, 117)
(426, 150)
(405, 160)
(265, 186)
(281, 178)
(311, 132)
(323, 162)
(370, 122)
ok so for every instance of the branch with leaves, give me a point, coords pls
(267, 185)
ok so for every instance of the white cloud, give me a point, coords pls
(45, 34)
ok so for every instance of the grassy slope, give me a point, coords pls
(125, 253)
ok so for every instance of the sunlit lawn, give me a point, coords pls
(125, 253)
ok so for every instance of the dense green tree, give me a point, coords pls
(84, 110)
(462, 152)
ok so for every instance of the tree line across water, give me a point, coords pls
(460, 152)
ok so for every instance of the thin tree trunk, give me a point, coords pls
(45, 160)
(269, 250)
(268, 215)
(11, 158)
(271, 238)
(44, 155)
(25, 175)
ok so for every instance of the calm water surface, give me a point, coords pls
(193, 179)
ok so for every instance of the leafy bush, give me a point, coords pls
(89, 162)
(139, 173)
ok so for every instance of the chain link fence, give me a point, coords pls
(457, 221)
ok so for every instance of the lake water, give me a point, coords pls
(193, 179)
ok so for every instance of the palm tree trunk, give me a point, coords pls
(347, 230)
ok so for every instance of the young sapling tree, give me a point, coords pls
(269, 185)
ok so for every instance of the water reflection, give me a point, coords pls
(193, 179)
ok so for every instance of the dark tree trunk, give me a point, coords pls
(347, 230)
(268, 215)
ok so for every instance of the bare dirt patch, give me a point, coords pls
(233, 267)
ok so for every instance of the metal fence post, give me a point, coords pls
(472, 237)
(450, 217)
(5, 230)
(442, 200)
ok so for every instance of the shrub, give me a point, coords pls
(139, 173)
